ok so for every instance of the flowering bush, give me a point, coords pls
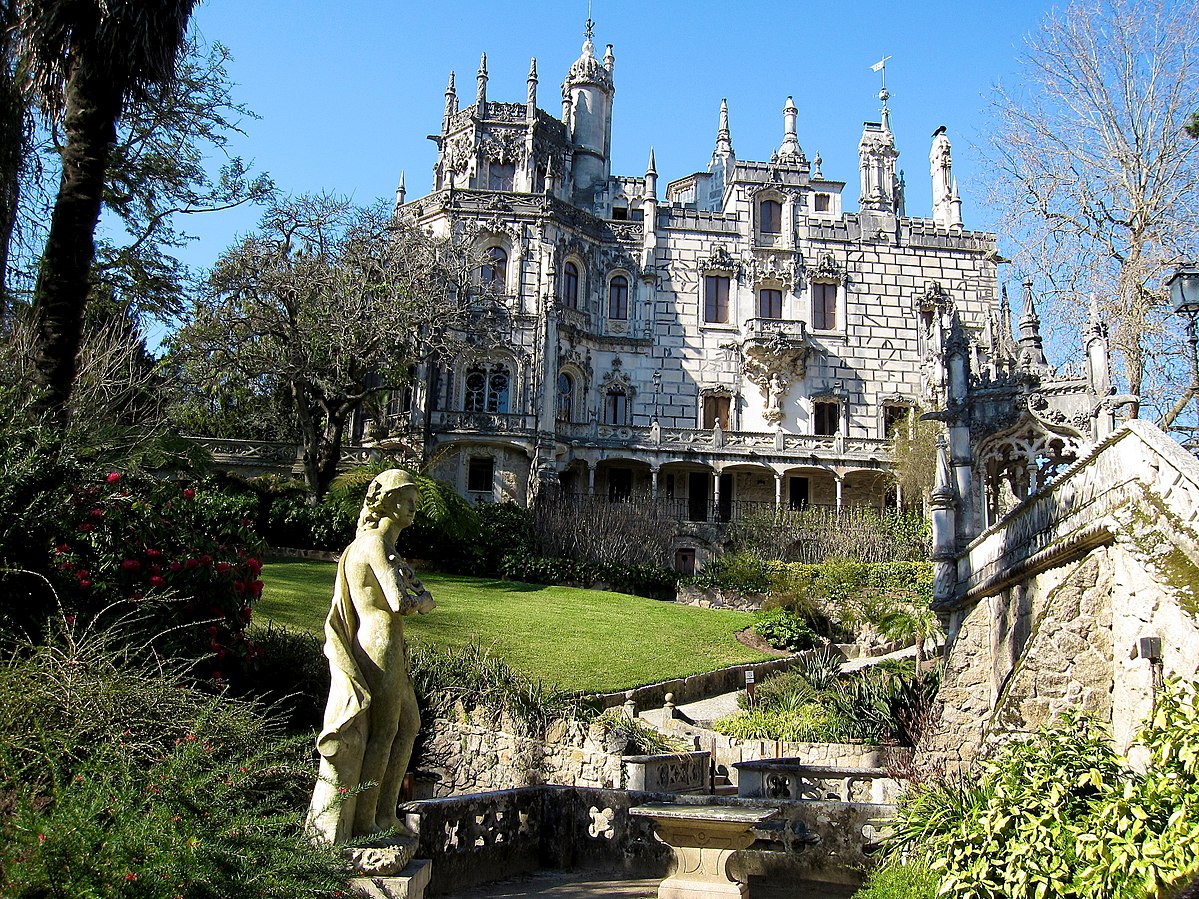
(185, 556)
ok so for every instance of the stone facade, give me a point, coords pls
(1048, 608)
(741, 340)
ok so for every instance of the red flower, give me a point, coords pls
(41, 838)
(254, 566)
(245, 522)
(153, 553)
(86, 526)
(189, 493)
(256, 589)
(131, 875)
(175, 566)
(206, 560)
(97, 513)
(156, 581)
(85, 584)
(113, 477)
(222, 567)
(62, 548)
(239, 587)
(191, 563)
(131, 565)
(83, 572)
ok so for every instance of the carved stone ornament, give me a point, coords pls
(828, 269)
(617, 379)
(503, 146)
(773, 363)
(721, 260)
(775, 268)
(934, 298)
(1020, 462)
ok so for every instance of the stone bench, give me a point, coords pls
(791, 778)
(703, 838)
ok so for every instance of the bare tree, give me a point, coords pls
(1094, 174)
(331, 303)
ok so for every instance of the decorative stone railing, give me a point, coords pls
(793, 779)
(273, 455)
(489, 836)
(483, 422)
(680, 772)
(1077, 510)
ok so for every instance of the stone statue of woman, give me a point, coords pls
(371, 719)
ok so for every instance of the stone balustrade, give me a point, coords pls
(677, 772)
(795, 779)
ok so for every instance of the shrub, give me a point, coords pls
(1062, 815)
(745, 572)
(641, 580)
(179, 555)
(503, 528)
(808, 723)
(784, 630)
(813, 534)
(783, 690)
(121, 780)
(291, 522)
(637, 738)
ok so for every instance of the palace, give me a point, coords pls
(738, 339)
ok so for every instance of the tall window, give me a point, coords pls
(566, 397)
(821, 203)
(480, 474)
(716, 299)
(570, 286)
(826, 418)
(824, 306)
(770, 217)
(616, 408)
(716, 412)
(770, 303)
(894, 418)
(486, 391)
(618, 298)
(494, 271)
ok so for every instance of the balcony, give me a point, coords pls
(499, 423)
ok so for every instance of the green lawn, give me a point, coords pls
(577, 639)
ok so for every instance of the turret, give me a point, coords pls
(947, 205)
(790, 145)
(649, 206)
(877, 155)
(587, 101)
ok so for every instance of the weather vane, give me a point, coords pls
(883, 94)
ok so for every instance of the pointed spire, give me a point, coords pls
(609, 59)
(401, 192)
(531, 101)
(481, 96)
(651, 168)
(816, 164)
(1032, 355)
(724, 141)
(451, 104)
(790, 145)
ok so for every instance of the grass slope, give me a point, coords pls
(577, 639)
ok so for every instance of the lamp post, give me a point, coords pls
(1184, 299)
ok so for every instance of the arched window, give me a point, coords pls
(486, 390)
(770, 303)
(566, 397)
(770, 217)
(494, 272)
(570, 286)
(618, 298)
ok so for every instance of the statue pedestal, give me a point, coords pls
(703, 838)
(410, 883)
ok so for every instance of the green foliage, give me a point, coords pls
(185, 558)
(900, 881)
(815, 702)
(638, 738)
(452, 681)
(1062, 815)
(503, 528)
(122, 780)
(745, 572)
(292, 522)
(784, 630)
(640, 580)
(811, 535)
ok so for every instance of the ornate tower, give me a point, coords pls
(947, 205)
(587, 97)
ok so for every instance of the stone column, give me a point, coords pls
(840, 486)
(653, 482)
(778, 491)
(590, 478)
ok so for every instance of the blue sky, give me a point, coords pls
(347, 91)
